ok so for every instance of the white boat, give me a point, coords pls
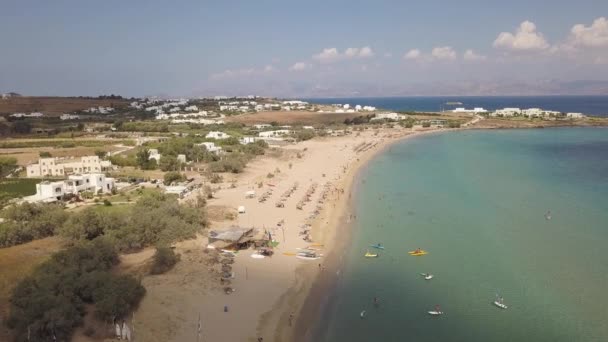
(500, 304)
(362, 314)
(435, 313)
(307, 256)
(427, 276)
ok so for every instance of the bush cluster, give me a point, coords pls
(164, 260)
(50, 303)
(28, 221)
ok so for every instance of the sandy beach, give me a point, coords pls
(271, 292)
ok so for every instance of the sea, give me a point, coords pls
(589, 105)
(517, 214)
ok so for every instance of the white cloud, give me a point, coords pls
(470, 55)
(299, 66)
(351, 52)
(366, 52)
(330, 55)
(526, 38)
(444, 52)
(593, 36)
(413, 54)
(234, 73)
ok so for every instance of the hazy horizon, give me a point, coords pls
(317, 49)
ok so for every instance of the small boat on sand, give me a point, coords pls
(371, 255)
(307, 255)
(427, 276)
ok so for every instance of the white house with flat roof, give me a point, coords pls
(261, 126)
(56, 167)
(217, 135)
(507, 112)
(211, 147)
(154, 154)
(52, 191)
(388, 116)
(272, 134)
(476, 110)
(575, 115)
(247, 140)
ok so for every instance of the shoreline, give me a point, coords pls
(310, 294)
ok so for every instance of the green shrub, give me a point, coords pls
(29, 221)
(164, 259)
(49, 304)
(173, 176)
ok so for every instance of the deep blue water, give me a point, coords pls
(590, 105)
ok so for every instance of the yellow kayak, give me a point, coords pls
(370, 255)
(418, 253)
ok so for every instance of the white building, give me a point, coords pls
(575, 115)
(346, 106)
(217, 135)
(308, 127)
(53, 191)
(181, 158)
(154, 154)
(210, 146)
(507, 112)
(55, 167)
(192, 108)
(369, 108)
(295, 103)
(100, 110)
(69, 117)
(388, 116)
(247, 140)
(272, 134)
(533, 112)
(27, 115)
(476, 110)
(229, 108)
(261, 126)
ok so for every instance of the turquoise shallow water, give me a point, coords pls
(476, 200)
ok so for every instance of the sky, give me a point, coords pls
(303, 48)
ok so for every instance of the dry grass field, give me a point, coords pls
(293, 118)
(15, 264)
(29, 155)
(54, 105)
